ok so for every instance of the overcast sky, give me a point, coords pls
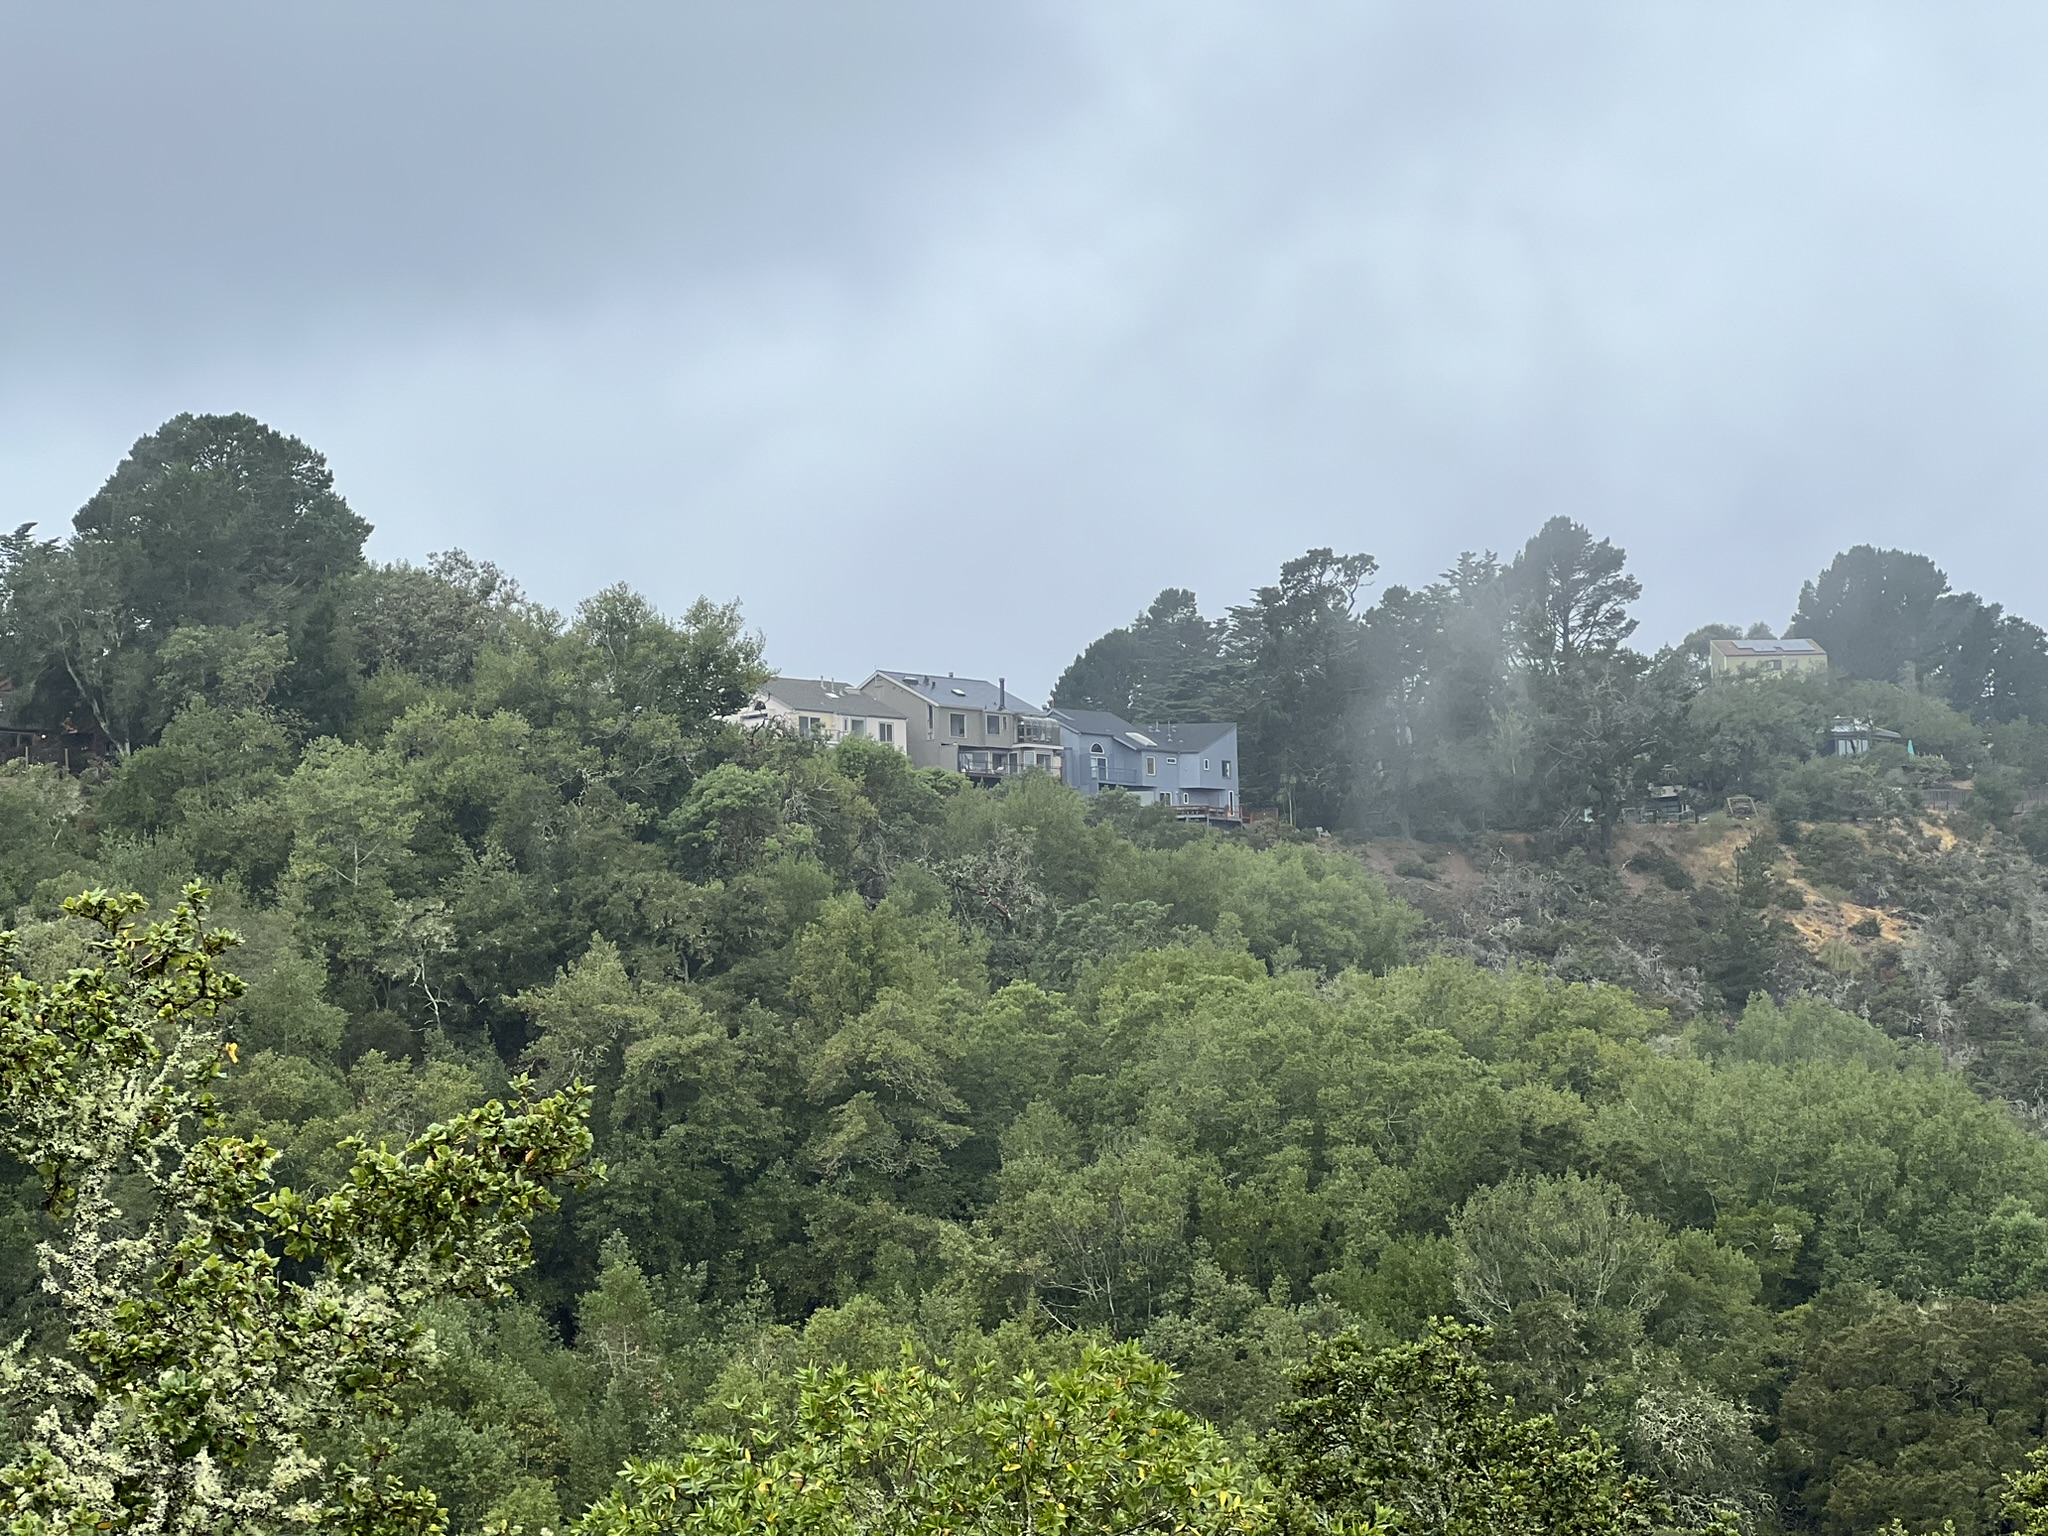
(945, 335)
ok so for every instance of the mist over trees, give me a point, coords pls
(1504, 696)
(605, 1119)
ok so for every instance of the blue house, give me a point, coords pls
(1192, 767)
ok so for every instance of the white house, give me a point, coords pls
(819, 709)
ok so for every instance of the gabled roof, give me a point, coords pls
(1100, 722)
(960, 692)
(1096, 722)
(1745, 648)
(1189, 735)
(1179, 736)
(821, 695)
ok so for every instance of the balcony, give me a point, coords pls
(999, 764)
(1037, 731)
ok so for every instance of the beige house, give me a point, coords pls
(819, 709)
(970, 725)
(1766, 658)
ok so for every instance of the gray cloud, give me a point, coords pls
(948, 334)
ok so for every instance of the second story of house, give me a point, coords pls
(1205, 754)
(819, 709)
(1766, 658)
(969, 725)
(1103, 751)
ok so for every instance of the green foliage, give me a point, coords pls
(878, 1059)
(1917, 1414)
(221, 1333)
(187, 573)
(1412, 1439)
(1572, 596)
(39, 839)
(1166, 665)
(1888, 614)
(1566, 1273)
(1837, 789)
(1098, 1448)
(1876, 612)
(1295, 646)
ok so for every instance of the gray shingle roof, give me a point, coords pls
(1094, 722)
(1189, 735)
(961, 692)
(823, 696)
(1180, 736)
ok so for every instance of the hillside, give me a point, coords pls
(1727, 1133)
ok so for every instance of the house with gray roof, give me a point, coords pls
(1794, 657)
(1192, 766)
(819, 709)
(970, 725)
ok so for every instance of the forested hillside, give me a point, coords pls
(1727, 1134)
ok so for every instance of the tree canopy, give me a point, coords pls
(616, 1121)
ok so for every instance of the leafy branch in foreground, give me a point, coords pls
(231, 1347)
(1098, 1449)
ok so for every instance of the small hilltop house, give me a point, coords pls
(1191, 766)
(1766, 658)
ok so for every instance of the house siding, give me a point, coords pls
(933, 743)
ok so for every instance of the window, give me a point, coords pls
(1171, 761)
(928, 726)
(1045, 760)
(886, 731)
(856, 727)
(1183, 797)
(1205, 765)
(1166, 797)
(1151, 767)
(995, 725)
(1098, 767)
(1226, 767)
(958, 724)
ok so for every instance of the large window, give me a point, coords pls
(1151, 767)
(856, 727)
(885, 730)
(958, 724)
(995, 725)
